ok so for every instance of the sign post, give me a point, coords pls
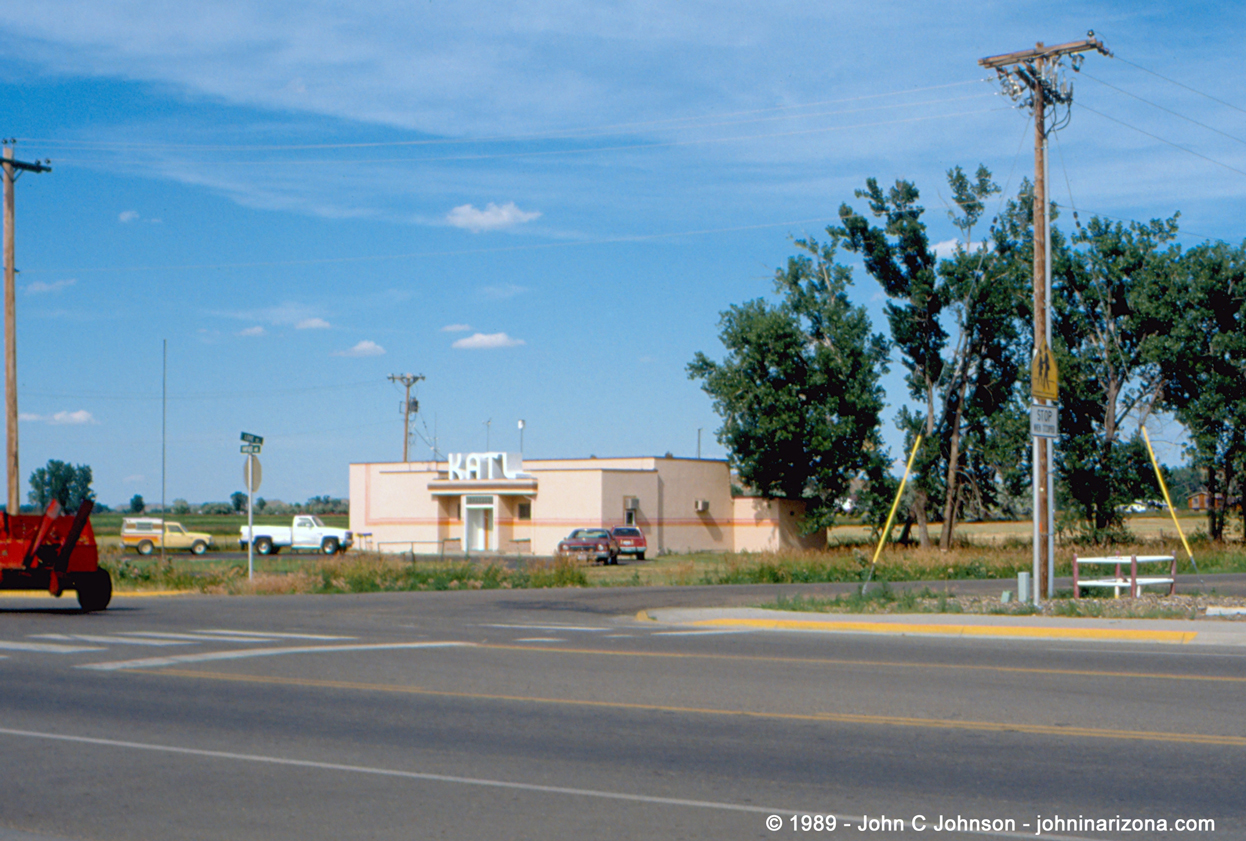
(251, 475)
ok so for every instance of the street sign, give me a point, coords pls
(1044, 377)
(1044, 422)
(252, 449)
(252, 439)
(251, 475)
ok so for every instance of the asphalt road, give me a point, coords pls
(559, 714)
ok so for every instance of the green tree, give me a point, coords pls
(136, 504)
(1197, 339)
(798, 390)
(967, 380)
(1101, 291)
(64, 482)
(181, 507)
(239, 500)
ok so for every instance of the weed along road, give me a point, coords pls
(601, 714)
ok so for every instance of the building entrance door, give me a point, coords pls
(481, 535)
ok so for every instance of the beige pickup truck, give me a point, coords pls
(143, 535)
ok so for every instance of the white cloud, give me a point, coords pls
(82, 416)
(492, 218)
(945, 249)
(456, 328)
(39, 287)
(502, 292)
(312, 324)
(127, 216)
(257, 330)
(364, 348)
(484, 341)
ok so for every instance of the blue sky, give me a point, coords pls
(541, 206)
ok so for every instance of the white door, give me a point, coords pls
(477, 534)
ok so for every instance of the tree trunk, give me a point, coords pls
(953, 473)
(919, 512)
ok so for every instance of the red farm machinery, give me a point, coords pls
(54, 552)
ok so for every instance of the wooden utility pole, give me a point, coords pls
(407, 408)
(10, 320)
(1033, 77)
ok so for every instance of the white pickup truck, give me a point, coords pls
(306, 532)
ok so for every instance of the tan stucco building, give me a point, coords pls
(498, 503)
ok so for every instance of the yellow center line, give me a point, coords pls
(823, 661)
(1117, 634)
(835, 718)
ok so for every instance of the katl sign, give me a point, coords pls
(477, 466)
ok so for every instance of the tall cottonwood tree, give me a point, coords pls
(798, 390)
(967, 380)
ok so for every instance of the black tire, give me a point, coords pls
(145, 547)
(613, 560)
(94, 590)
(640, 556)
(198, 547)
(329, 546)
(264, 546)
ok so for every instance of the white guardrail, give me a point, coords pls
(1118, 581)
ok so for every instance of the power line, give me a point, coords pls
(1180, 85)
(1162, 140)
(552, 152)
(1166, 110)
(551, 135)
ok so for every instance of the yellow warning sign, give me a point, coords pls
(1044, 378)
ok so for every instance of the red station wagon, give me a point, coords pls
(631, 541)
(596, 544)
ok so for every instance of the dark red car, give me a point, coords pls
(631, 541)
(597, 544)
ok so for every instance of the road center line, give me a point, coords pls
(834, 718)
(448, 778)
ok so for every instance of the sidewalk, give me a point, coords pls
(1164, 631)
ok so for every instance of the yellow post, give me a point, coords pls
(1167, 499)
(890, 517)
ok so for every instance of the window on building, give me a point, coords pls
(629, 518)
(525, 511)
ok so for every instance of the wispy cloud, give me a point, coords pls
(502, 291)
(127, 216)
(312, 324)
(82, 416)
(364, 348)
(486, 341)
(285, 314)
(456, 328)
(492, 218)
(257, 330)
(39, 287)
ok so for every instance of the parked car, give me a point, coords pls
(306, 531)
(631, 541)
(595, 544)
(143, 535)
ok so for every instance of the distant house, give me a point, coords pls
(1201, 500)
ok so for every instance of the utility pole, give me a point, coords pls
(10, 317)
(409, 407)
(1033, 78)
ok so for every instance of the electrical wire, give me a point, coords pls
(1180, 85)
(553, 135)
(541, 153)
(1166, 110)
(1162, 140)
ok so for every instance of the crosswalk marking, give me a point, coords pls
(46, 647)
(103, 638)
(223, 632)
(193, 637)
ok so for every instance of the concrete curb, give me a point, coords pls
(1162, 631)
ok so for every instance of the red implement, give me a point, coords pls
(54, 552)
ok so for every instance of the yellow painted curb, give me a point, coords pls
(1119, 634)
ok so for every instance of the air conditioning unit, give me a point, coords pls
(702, 506)
(631, 503)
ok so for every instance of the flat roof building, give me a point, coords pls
(496, 503)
